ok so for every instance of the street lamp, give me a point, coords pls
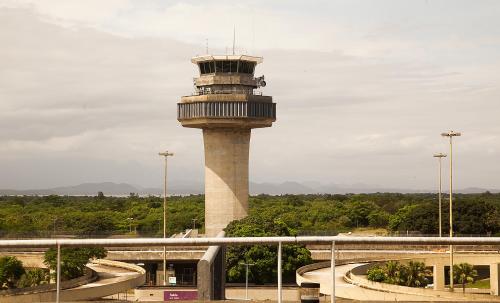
(55, 222)
(450, 135)
(246, 278)
(130, 224)
(440, 156)
(165, 154)
(194, 223)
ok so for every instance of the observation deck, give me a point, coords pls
(225, 95)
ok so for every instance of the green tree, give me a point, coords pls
(378, 218)
(400, 220)
(73, 260)
(11, 270)
(464, 273)
(474, 216)
(358, 212)
(294, 200)
(263, 256)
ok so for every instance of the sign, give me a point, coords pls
(172, 295)
(172, 280)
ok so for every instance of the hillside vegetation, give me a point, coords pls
(32, 216)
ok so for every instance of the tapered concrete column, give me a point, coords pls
(438, 276)
(226, 176)
(494, 279)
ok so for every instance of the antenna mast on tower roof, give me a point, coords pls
(234, 37)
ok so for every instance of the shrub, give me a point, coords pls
(376, 274)
(34, 277)
(11, 270)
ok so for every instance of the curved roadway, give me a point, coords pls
(113, 277)
(346, 290)
(108, 275)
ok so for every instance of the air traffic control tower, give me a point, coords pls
(226, 106)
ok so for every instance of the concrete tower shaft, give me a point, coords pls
(226, 176)
(226, 106)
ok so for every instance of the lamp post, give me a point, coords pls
(55, 221)
(165, 154)
(450, 135)
(194, 223)
(440, 156)
(130, 224)
(246, 278)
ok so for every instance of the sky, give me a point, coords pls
(88, 89)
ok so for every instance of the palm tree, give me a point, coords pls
(464, 273)
(416, 274)
(395, 272)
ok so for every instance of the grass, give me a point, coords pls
(481, 284)
(367, 231)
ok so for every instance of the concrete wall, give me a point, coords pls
(156, 254)
(226, 177)
(495, 279)
(211, 273)
(261, 293)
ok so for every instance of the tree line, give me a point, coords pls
(45, 216)
(31, 216)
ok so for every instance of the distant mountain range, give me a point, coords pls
(184, 188)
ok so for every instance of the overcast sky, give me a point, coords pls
(88, 89)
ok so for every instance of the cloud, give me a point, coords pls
(92, 91)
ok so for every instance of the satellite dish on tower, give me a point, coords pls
(260, 81)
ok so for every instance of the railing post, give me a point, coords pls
(280, 297)
(246, 282)
(332, 265)
(58, 273)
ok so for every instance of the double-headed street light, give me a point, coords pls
(450, 135)
(165, 154)
(246, 277)
(440, 156)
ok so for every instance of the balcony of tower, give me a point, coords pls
(232, 110)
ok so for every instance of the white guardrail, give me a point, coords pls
(137, 242)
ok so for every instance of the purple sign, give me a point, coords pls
(172, 295)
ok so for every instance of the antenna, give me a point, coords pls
(253, 32)
(234, 37)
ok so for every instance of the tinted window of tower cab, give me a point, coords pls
(226, 66)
